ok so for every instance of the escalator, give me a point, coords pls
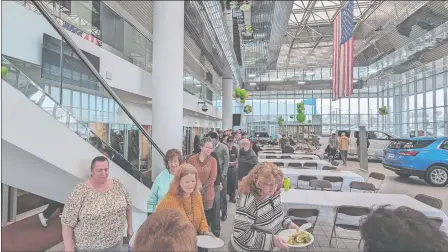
(55, 121)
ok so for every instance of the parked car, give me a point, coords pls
(424, 157)
(262, 137)
(378, 141)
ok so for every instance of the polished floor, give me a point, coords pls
(392, 184)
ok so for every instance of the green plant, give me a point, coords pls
(247, 109)
(249, 29)
(300, 117)
(383, 111)
(280, 120)
(241, 94)
(4, 72)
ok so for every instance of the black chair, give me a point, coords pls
(363, 186)
(335, 179)
(310, 165)
(323, 185)
(304, 158)
(377, 176)
(279, 164)
(295, 165)
(329, 168)
(305, 178)
(286, 157)
(268, 152)
(300, 215)
(429, 200)
(271, 157)
(436, 222)
(349, 211)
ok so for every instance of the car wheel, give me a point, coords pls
(437, 175)
(403, 174)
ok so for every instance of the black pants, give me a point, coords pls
(52, 206)
(231, 182)
(332, 154)
(223, 195)
(213, 215)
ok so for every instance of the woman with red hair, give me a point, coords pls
(185, 197)
(259, 211)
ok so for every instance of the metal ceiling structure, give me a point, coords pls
(389, 35)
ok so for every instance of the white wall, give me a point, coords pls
(22, 39)
(47, 158)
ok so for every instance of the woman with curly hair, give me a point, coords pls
(259, 213)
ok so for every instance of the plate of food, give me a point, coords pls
(209, 242)
(297, 238)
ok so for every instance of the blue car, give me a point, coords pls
(424, 157)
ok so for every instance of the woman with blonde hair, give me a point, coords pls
(185, 197)
(259, 213)
(166, 230)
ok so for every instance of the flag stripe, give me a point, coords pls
(343, 52)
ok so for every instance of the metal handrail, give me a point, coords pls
(86, 61)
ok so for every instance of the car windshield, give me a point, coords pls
(261, 134)
(409, 144)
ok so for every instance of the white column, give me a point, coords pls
(227, 117)
(167, 78)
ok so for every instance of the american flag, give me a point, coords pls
(343, 52)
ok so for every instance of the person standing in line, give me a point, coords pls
(222, 152)
(173, 159)
(231, 173)
(333, 145)
(246, 160)
(344, 143)
(97, 212)
(207, 169)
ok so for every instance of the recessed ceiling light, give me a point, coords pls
(253, 84)
(301, 82)
(148, 101)
(252, 75)
(187, 77)
(198, 85)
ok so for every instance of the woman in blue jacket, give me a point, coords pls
(173, 159)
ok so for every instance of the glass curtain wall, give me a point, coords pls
(416, 101)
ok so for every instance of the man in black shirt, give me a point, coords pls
(231, 173)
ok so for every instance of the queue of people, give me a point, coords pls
(187, 197)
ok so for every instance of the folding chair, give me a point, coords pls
(304, 178)
(364, 186)
(300, 216)
(334, 179)
(351, 211)
(286, 157)
(295, 165)
(323, 185)
(429, 200)
(377, 176)
(310, 165)
(279, 164)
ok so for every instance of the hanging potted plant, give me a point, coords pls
(300, 117)
(247, 109)
(280, 120)
(383, 111)
(240, 94)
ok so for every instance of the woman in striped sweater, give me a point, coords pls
(259, 214)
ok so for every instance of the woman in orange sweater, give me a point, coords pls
(184, 196)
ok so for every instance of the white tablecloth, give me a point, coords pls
(348, 176)
(286, 162)
(268, 152)
(292, 155)
(327, 202)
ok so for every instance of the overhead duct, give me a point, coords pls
(282, 12)
(215, 16)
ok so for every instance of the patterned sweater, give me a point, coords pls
(183, 204)
(256, 222)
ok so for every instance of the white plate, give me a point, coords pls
(288, 232)
(208, 242)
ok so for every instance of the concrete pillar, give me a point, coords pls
(362, 153)
(227, 116)
(167, 78)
